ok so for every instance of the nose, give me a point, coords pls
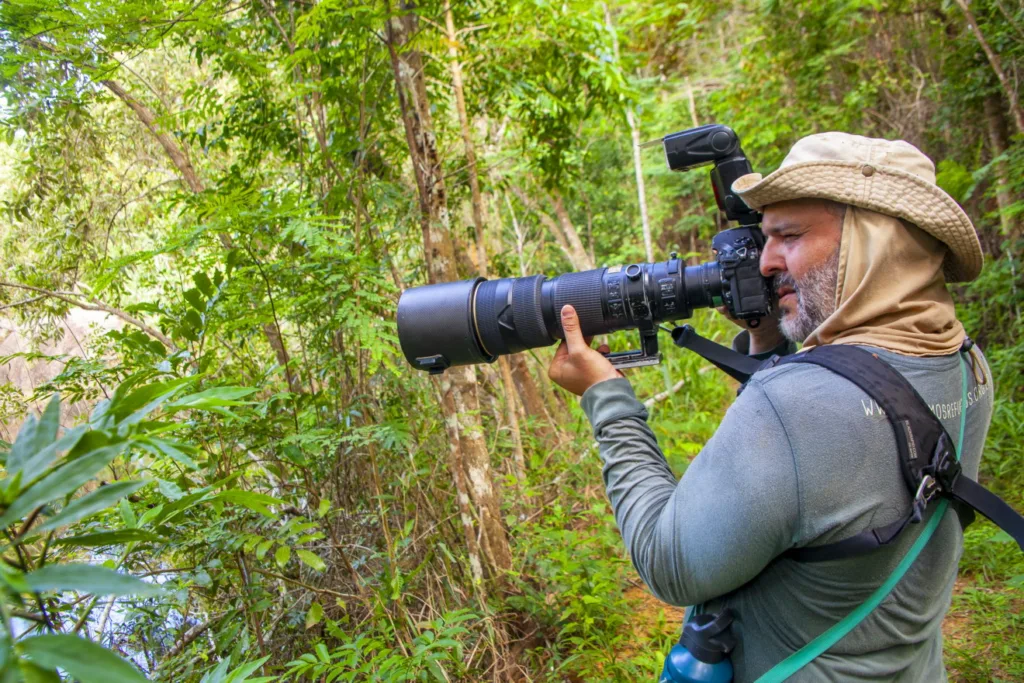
(772, 261)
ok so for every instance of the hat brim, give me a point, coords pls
(878, 188)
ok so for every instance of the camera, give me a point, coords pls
(475, 321)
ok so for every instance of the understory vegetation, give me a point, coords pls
(219, 466)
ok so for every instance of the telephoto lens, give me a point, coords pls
(475, 321)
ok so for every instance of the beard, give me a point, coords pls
(816, 299)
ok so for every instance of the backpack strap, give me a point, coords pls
(928, 462)
(812, 650)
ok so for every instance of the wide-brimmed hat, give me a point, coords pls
(888, 176)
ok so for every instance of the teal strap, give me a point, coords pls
(805, 655)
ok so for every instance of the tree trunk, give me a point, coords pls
(997, 67)
(529, 393)
(469, 460)
(180, 159)
(997, 140)
(552, 225)
(634, 131)
(575, 243)
(166, 140)
(273, 335)
(479, 221)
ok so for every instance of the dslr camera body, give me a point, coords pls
(475, 321)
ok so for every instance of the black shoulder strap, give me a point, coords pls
(926, 454)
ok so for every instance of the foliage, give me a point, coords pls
(232, 183)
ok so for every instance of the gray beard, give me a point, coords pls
(816, 299)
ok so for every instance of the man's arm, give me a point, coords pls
(734, 510)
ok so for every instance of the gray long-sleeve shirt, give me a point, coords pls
(802, 457)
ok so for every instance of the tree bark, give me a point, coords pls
(634, 131)
(575, 243)
(467, 138)
(276, 341)
(166, 140)
(180, 159)
(997, 139)
(996, 64)
(468, 456)
(479, 220)
(551, 224)
(529, 392)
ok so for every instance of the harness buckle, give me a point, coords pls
(925, 492)
(945, 467)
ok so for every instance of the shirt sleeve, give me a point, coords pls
(735, 509)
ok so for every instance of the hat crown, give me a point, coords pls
(895, 154)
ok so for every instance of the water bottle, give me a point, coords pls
(702, 653)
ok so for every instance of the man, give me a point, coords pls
(860, 242)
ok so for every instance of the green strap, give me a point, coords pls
(805, 655)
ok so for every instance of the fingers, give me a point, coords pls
(571, 328)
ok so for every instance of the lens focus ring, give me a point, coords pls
(583, 292)
(528, 313)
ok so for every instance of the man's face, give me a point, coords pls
(801, 251)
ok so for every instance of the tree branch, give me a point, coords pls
(148, 118)
(72, 298)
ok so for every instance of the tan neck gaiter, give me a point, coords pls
(891, 292)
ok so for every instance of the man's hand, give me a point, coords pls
(576, 367)
(765, 337)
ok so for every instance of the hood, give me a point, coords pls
(891, 292)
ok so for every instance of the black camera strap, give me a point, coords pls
(736, 365)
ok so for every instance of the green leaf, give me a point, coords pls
(137, 405)
(174, 451)
(194, 320)
(105, 538)
(242, 673)
(33, 437)
(196, 300)
(170, 490)
(321, 652)
(262, 548)
(314, 615)
(202, 281)
(88, 578)
(149, 515)
(212, 398)
(32, 673)
(1001, 537)
(100, 499)
(323, 508)
(42, 460)
(282, 555)
(257, 502)
(311, 559)
(127, 514)
(61, 482)
(82, 659)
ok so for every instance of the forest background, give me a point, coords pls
(242, 479)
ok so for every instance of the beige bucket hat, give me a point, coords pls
(888, 176)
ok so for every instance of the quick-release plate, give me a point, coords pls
(632, 359)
